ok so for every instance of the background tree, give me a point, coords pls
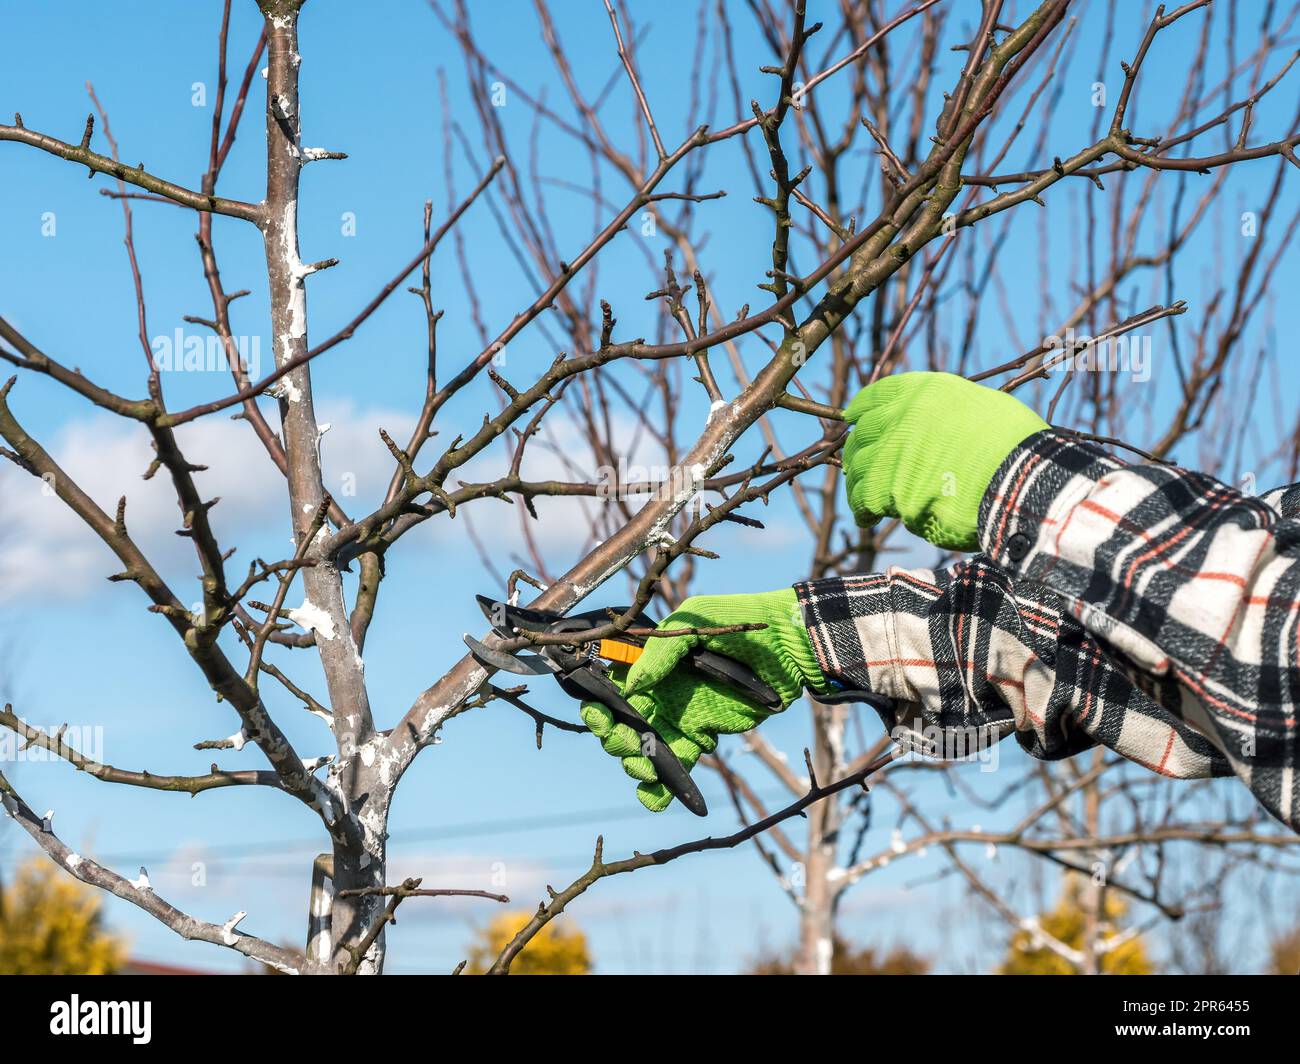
(1055, 943)
(1285, 954)
(877, 144)
(558, 949)
(52, 925)
(848, 959)
(933, 294)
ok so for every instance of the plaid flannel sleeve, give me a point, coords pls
(962, 656)
(1147, 608)
(1191, 580)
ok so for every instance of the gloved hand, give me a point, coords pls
(689, 711)
(924, 447)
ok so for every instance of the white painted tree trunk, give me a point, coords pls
(359, 852)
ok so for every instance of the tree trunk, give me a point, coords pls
(817, 913)
(359, 853)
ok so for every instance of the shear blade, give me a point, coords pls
(502, 615)
(524, 664)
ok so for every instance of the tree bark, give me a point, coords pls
(817, 911)
(359, 855)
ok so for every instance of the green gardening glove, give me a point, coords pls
(924, 447)
(686, 709)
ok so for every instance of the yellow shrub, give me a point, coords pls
(555, 950)
(50, 924)
(1067, 923)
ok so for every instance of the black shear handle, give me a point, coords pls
(590, 686)
(736, 675)
(727, 671)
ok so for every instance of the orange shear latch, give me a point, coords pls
(614, 650)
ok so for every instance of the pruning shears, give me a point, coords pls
(581, 670)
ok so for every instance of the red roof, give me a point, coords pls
(136, 966)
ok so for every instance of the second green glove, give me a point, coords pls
(924, 447)
(688, 711)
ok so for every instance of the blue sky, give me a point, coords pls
(483, 803)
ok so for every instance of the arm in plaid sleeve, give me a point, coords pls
(966, 657)
(1285, 501)
(1189, 578)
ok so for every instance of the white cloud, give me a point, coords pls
(271, 885)
(568, 525)
(49, 553)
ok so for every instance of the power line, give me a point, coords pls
(497, 826)
(570, 860)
